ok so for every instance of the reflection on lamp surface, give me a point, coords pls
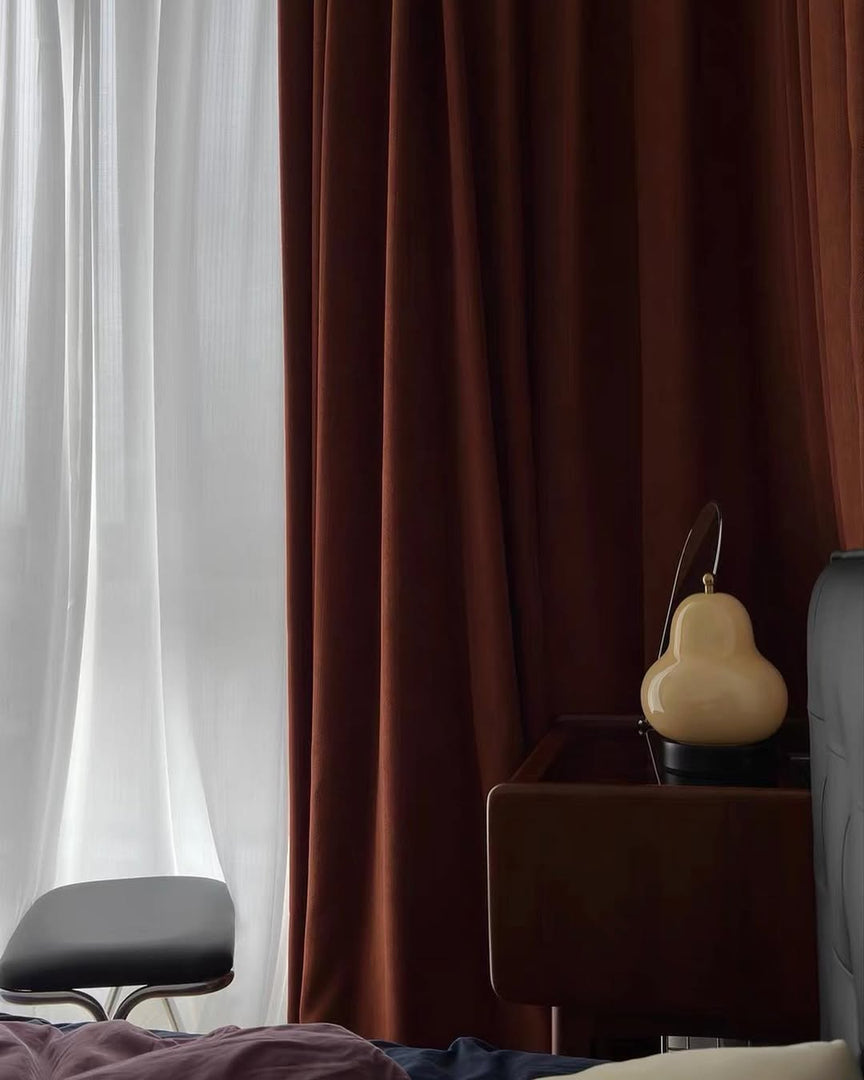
(712, 686)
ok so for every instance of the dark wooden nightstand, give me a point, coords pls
(639, 910)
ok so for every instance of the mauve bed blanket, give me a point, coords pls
(120, 1051)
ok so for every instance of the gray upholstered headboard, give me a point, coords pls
(835, 648)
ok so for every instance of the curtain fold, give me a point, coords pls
(830, 65)
(142, 559)
(546, 292)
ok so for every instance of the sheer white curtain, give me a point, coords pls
(142, 578)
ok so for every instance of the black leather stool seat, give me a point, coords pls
(151, 930)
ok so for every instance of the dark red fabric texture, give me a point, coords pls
(117, 1050)
(549, 286)
(827, 43)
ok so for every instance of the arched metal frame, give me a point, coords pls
(113, 1011)
(56, 997)
(710, 515)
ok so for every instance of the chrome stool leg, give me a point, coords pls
(186, 990)
(172, 1013)
(57, 997)
(112, 1010)
(113, 998)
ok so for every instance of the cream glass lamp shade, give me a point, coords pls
(712, 686)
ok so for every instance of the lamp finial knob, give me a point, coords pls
(708, 582)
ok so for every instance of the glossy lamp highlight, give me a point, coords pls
(712, 686)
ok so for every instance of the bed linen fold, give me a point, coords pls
(118, 1050)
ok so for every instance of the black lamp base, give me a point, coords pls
(720, 766)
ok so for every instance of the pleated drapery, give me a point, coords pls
(142, 557)
(829, 61)
(546, 291)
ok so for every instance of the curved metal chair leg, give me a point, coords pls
(185, 990)
(173, 1015)
(56, 997)
(121, 1012)
(113, 998)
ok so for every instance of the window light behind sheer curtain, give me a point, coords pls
(142, 579)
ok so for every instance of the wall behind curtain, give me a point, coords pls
(545, 294)
(142, 558)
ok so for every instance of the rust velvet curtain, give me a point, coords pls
(830, 63)
(554, 273)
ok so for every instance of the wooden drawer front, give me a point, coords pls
(691, 907)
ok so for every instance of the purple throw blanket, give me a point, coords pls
(120, 1051)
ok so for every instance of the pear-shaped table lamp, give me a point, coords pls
(712, 695)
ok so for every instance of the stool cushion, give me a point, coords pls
(129, 932)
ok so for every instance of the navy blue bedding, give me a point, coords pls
(471, 1059)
